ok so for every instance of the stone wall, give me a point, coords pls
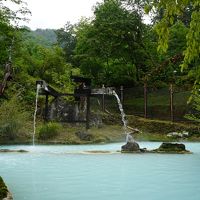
(61, 110)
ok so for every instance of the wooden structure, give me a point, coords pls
(83, 90)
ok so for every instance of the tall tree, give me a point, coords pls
(114, 37)
(8, 32)
(171, 10)
(66, 38)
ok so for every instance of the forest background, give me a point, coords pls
(114, 47)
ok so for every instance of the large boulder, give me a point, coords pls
(171, 148)
(131, 147)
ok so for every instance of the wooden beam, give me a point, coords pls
(46, 108)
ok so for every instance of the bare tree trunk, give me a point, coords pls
(7, 77)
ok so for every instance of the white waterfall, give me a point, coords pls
(121, 111)
(35, 113)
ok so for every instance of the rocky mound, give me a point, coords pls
(130, 147)
(171, 148)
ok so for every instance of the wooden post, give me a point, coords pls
(103, 99)
(122, 94)
(145, 100)
(88, 113)
(171, 102)
(46, 108)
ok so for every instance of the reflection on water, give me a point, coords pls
(62, 172)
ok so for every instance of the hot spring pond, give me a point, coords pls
(68, 172)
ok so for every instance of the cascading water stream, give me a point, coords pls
(36, 107)
(128, 136)
(122, 111)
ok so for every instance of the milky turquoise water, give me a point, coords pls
(68, 173)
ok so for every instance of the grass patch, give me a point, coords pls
(67, 134)
(49, 130)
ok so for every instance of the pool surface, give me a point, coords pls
(69, 172)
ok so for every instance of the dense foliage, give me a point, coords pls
(173, 10)
(114, 47)
(13, 117)
(110, 47)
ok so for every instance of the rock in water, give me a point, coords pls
(171, 147)
(177, 148)
(130, 147)
(12, 151)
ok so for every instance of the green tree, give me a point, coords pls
(9, 29)
(66, 39)
(113, 40)
(172, 10)
(8, 26)
(33, 61)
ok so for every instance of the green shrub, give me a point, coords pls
(196, 106)
(12, 118)
(49, 130)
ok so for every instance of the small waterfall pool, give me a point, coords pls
(61, 172)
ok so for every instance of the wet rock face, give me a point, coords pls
(172, 147)
(131, 147)
(61, 110)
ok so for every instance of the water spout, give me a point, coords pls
(129, 137)
(121, 111)
(36, 107)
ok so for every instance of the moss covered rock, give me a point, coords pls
(130, 147)
(175, 148)
(4, 192)
(3, 189)
(171, 148)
